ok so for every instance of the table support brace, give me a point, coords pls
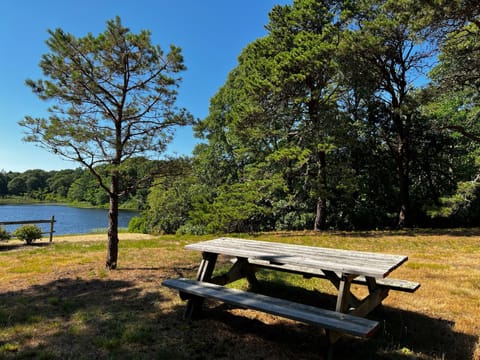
(240, 269)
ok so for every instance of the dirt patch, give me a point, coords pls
(87, 237)
(100, 237)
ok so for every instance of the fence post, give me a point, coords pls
(52, 221)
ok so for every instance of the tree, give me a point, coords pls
(454, 94)
(169, 204)
(60, 181)
(384, 57)
(114, 98)
(3, 184)
(17, 185)
(277, 113)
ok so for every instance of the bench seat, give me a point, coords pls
(390, 283)
(330, 320)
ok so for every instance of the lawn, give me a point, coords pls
(58, 302)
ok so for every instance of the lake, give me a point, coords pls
(69, 220)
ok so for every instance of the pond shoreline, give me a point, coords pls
(69, 220)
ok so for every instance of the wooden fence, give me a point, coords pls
(23, 222)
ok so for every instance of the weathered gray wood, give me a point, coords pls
(206, 267)
(240, 269)
(373, 299)
(392, 284)
(204, 273)
(343, 299)
(331, 320)
(343, 261)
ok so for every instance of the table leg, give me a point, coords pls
(344, 294)
(207, 265)
(345, 297)
(204, 273)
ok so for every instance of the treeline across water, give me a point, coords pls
(78, 186)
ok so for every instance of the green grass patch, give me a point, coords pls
(427, 266)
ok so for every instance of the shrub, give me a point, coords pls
(138, 225)
(191, 229)
(29, 233)
(4, 234)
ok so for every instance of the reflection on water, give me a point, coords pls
(69, 220)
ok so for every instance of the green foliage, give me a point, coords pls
(138, 225)
(3, 184)
(465, 194)
(275, 120)
(79, 186)
(88, 80)
(170, 197)
(192, 229)
(4, 234)
(29, 233)
(322, 124)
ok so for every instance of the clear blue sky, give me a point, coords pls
(211, 33)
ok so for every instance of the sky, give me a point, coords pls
(211, 33)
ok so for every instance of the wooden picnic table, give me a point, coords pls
(341, 267)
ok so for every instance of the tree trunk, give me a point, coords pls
(321, 214)
(404, 196)
(321, 211)
(403, 164)
(112, 249)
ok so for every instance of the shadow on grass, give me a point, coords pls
(117, 319)
(403, 334)
(83, 319)
(4, 246)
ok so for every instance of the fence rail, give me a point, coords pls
(24, 222)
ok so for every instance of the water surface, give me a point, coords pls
(69, 220)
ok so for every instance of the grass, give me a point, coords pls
(58, 302)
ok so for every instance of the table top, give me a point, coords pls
(369, 264)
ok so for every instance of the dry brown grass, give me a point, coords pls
(57, 302)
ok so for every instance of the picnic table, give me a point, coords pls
(341, 267)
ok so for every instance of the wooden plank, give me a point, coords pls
(344, 261)
(204, 273)
(331, 320)
(390, 283)
(25, 222)
(52, 221)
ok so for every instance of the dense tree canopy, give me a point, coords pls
(330, 121)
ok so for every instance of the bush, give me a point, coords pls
(138, 225)
(190, 229)
(4, 234)
(29, 233)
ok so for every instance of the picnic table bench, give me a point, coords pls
(341, 267)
